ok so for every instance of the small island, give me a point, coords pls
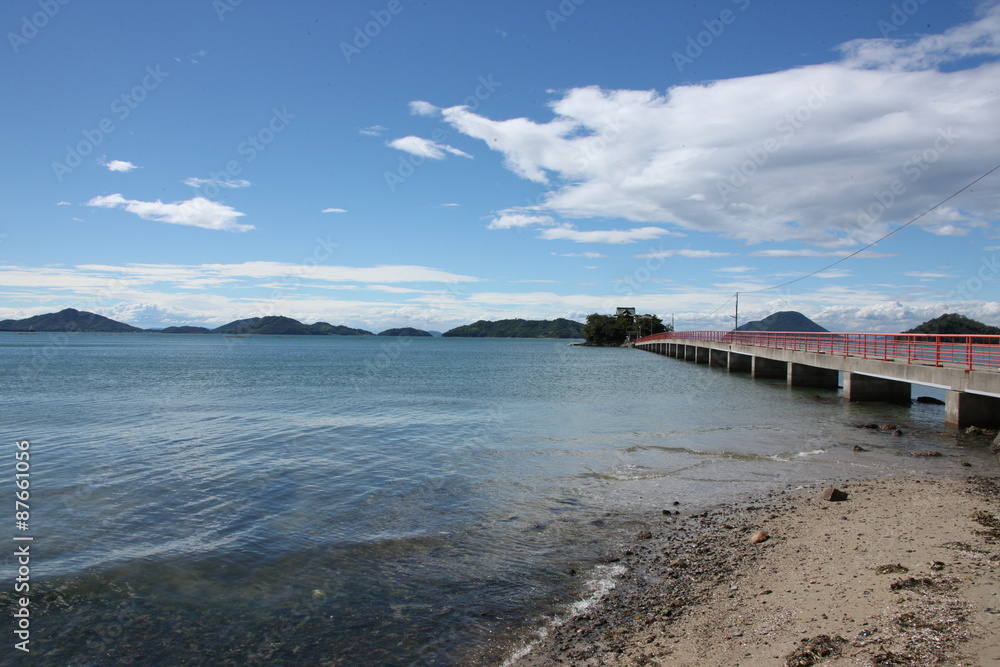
(406, 331)
(518, 328)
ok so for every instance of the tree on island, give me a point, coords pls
(613, 330)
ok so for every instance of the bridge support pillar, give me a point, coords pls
(718, 358)
(963, 409)
(801, 375)
(672, 350)
(701, 355)
(740, 363)
(769, 368)
(689, 352)
(861, 388)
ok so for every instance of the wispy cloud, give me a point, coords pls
(612, 236)
(231, 183)
(334, 210)
(373, 130)
(685, 252)
(425, 148)
(197, 212)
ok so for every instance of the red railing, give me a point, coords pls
(971, 352)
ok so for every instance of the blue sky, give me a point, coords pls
(429, 164)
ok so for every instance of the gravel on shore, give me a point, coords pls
(904, 571)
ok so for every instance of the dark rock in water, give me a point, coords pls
(871, 426)
(927, 453)
(834, 495)
(897, 432)
(930, 399)
(644, 535)
(888, 427)
(966, 464)
(859, 448)
(815, 650)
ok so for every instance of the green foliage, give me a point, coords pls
(953, 323)
(186, 330)
(558, 328)
(611, 330)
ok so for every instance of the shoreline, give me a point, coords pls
(905, 571)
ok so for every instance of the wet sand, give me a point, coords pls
(905, 571)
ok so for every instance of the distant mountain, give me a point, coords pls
(786, 320)
(68, 320)
(405, 331)
(186, 330)
(953, 323)
(558, 328)
(277, 325)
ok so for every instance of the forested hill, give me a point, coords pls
(69, 319)
(558, 328)
(285, 326)
(786, 320)
(953, 323)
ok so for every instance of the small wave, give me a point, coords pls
(605, 580)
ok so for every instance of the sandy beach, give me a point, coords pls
(904, 571)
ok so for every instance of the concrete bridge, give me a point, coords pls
(875, 367)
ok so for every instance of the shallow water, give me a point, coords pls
(292, 500)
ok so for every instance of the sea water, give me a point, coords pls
(203, 499)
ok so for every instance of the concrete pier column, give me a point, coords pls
(701, 355)
(689, 352)
(719, 358)
(740, 363)
(801, 375)
(769, 368)
(963, 409)
(859, 388)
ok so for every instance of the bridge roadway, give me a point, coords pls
(875, 367)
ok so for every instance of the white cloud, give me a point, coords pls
(569, 233)
(514, 220)
(803, 252)
(373, 130)
(334, 210)
(425, 148)
(62, 203)
(804, 155)
(588, 255)
(929, 274)
(197, 212)
(195, 182)
(421, 108)
(685, 252)
(120, 166)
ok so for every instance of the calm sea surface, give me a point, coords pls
(376, 501)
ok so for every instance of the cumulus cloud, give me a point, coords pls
(425, 148)
(120, 165)
(833, 154)
(196, 212)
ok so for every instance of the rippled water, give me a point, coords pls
(370, 501)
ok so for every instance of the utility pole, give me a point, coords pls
(736, 317)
